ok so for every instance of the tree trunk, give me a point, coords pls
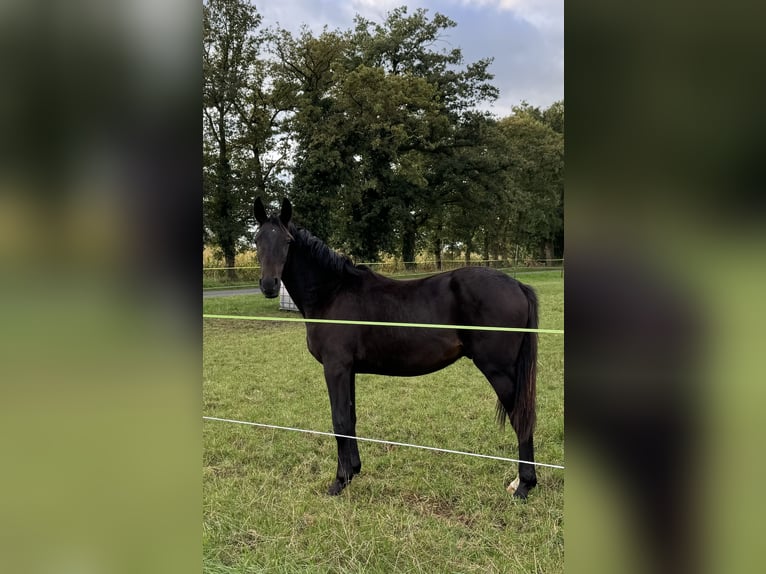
(408, 244)
(468, 249)
(231, 273)
(436, 244)
(548, 253)
(437, 251)
(259, 180)
(485, 250)
(225, 239)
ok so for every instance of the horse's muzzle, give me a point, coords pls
(269, 287)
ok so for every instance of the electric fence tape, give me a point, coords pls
(375, 440)
(385, 324)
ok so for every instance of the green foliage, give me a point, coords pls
(244, 145)
(377, 106)
(537, 181)
(377, 133)
(228, 53)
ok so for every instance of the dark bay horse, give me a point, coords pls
(326, 285)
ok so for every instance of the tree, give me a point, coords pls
(554, 117)
(324, 147)
(470, 185)
(392, 117)
(229, 52)
(403, 47)
(536, 180)
(262, 112)
(244, 147)
(379, 110)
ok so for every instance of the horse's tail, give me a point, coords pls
(523, 415)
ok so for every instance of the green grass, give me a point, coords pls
(265, 507)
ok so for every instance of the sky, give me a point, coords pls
(525, 37)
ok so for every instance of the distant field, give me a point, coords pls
(264, 501)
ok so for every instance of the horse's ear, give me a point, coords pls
(259, 211)
(286, 213)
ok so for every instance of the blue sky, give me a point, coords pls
(525, 37)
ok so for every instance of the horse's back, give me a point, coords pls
(469, 295)
(489, 295)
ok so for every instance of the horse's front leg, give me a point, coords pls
(340, 386)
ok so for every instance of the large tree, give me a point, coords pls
(229, 52)
(375, 106)
(404, 48)
(312, 66)
(536, 152)
(244, 146)
(469, 184)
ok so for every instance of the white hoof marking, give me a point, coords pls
(513, 486)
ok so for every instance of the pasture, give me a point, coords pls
(264, 501)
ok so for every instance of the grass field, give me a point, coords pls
(264, 502)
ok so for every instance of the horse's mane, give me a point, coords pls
(323, 254)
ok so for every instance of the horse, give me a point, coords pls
(327, 285)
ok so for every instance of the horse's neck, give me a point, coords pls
(311, 285)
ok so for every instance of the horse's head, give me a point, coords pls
(272, 242)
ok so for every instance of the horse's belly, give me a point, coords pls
(396, 357)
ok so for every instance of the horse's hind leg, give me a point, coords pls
(527, 476)
(505, 389)
(340, 386)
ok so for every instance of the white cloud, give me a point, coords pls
(291, 14)
(374, 4)
(541, 13)
(525, 37)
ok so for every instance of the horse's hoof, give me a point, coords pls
(518, 489)
(521, 494)
(336, 487)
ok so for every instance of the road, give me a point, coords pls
(228, 292)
